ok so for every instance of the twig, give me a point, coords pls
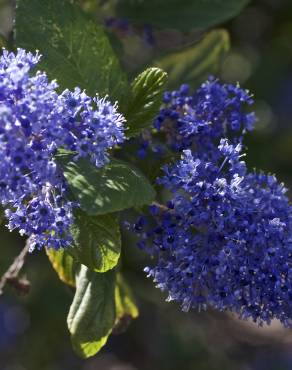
(161, 207)
(11, 276)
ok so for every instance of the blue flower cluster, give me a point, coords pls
(224, 239)
(35, 122)
(200, 119)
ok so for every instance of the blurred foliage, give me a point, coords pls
(33, 333)
(194, 64)
(175, 14)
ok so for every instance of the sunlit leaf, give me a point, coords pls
(145, 100)
(97, 241)
(64, 265)
(92, 313)
(75, 49)
(112, 188)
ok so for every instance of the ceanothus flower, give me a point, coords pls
(201, 118)
(47, 221)
(36, 121)
(198, 120)
(88, 126)
(224, 238)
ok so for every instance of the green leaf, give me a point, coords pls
(64, 265)
(146, 98)
(109, 189)
(126, 309)
(75, 49)
(179, 14)
(92, 313)
(194, 64)
(97, 241)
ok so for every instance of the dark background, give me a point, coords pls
(33, 333)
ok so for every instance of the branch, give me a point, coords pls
(161, 207)
(11, 276)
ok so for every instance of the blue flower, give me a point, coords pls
(36, 121)
(224, 239)
(200, 119)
